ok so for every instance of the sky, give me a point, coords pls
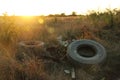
(46, 7)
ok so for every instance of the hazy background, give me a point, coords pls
(45, 7)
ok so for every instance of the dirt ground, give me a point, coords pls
(109, 69)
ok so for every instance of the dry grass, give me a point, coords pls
(94, 26)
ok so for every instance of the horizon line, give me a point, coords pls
(66, 14)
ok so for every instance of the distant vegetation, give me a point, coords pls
(103, 27)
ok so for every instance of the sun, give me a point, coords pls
(20, 7)
(26, 8)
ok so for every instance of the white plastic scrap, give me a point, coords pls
(73, 73)
(64, 43)
(67, 71)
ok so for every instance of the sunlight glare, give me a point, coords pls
(27, 17)
(41, 21)
(46, 7)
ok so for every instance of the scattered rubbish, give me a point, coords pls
(67, 71)
(80, 51)
(72, 71)
(64, 43)
(73, 74)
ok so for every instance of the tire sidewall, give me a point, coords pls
(99, 49)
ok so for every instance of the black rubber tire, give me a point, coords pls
(100, 52)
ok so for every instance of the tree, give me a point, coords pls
(63, 14)
(74, 13)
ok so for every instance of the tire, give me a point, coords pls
(77, 47)
(30, 49)
(31, 44)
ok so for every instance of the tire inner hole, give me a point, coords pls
(86, 51)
